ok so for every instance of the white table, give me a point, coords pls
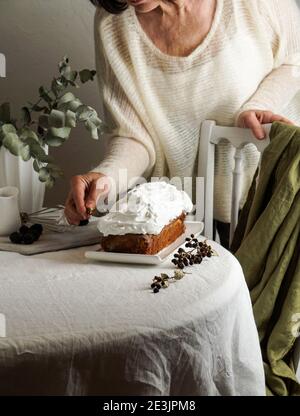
(78, 327)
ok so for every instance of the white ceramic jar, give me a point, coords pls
(15, 172)
(10, 219)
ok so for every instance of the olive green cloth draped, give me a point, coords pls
(267, 244)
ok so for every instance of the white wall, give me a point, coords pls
(34, 36)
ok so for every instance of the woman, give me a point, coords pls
(166, 65)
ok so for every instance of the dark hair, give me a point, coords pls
(112, 6)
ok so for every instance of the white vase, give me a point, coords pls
(15, 172)
(10, 219)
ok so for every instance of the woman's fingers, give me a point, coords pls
(84, 193)
(255, 119)
(277, 117)
(70, 211)
(251, 121)
(78, 188)
(98, 187)
(93, 195)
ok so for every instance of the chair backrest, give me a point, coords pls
(210, 136)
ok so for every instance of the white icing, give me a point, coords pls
(146, 209)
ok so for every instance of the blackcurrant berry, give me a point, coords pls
(28, 238)
(83, 223)
(156, 290)
(24, 229)
(16, 238)
(37, 228)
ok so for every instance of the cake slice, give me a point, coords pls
(149, 218)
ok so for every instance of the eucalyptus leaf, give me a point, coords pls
(53, 141)
(57, 86)
(13, 143)
(66, 70)
(70, 105)
(55, 171)
(37, 151)
(57, 119)
(45, 95)
(66, 98)
(25, 152)
(27, 134)
(57, 136)
(96, 121)
(63, 63)
(44, 175)
(84, 112)
(86, 75)
(36, 166)
(68, 74)
(5, 113)
(70, 119)
(63, 132)
(8, 128)
(74, 105)
(92, 129)
(46, 159)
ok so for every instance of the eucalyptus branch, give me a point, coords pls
(49, 121)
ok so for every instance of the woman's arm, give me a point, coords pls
(124, 153)
(282, 21)
(130, 146)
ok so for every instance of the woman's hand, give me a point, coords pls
(254, 119)
(84, 193)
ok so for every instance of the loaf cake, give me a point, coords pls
(149, 218)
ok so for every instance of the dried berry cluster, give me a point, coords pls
(162, 281)
(198, 251)
(27, 235)
(195, 253)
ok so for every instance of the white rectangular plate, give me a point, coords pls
(192, 227)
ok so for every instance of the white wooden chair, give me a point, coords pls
(210, 135)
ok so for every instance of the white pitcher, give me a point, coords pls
(10, 219)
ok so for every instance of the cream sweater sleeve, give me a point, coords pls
(282, 19)
(130, 147)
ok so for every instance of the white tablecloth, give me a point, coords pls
(79, 327)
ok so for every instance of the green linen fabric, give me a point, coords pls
(268, 242)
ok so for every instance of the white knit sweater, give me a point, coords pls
(155, 102)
